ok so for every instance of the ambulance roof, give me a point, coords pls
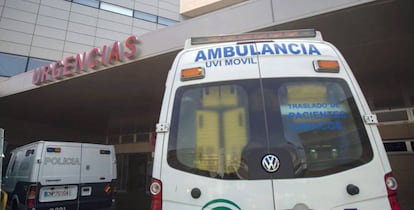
(255, 37)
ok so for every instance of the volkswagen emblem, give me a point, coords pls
(270, 163)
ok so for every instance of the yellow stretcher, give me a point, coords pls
(306, 95)
(221, 130)
(220, 96)
(234, 141)
(4, 198)
(208, 145)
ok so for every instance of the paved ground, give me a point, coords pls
(132, 201)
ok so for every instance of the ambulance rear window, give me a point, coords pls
(223, 130)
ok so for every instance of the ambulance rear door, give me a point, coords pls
(329, 151)
(204, 164)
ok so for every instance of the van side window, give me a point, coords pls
(26, 162)
(13, 164)
(29, 152)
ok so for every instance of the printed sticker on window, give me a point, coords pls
(309, 107)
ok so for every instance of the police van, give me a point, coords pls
(270, 120)
(49, 175)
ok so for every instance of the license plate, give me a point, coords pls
(58, 193)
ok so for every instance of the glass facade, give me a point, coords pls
(90, 3)
(145, 16)
(116, 9)
(11, 65)
(126, 11)
(36, 62)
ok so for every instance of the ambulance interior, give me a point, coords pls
(224, 130)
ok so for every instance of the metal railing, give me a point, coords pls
(395, 116)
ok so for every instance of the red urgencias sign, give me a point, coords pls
(95, 59)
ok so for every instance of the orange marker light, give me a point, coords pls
(54, 149)
(105, 152)
(331, 66)
(192, 73)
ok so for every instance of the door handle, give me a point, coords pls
(86, 191)
(352, 189)
(195, 193)
(53, 180)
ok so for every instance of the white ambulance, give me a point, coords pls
(49, 175)
(271, 120)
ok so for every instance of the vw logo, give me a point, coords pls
(270, 163)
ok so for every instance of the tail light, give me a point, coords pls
(31, 196)
(392, 187)
(108, 189)
(156, 194)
